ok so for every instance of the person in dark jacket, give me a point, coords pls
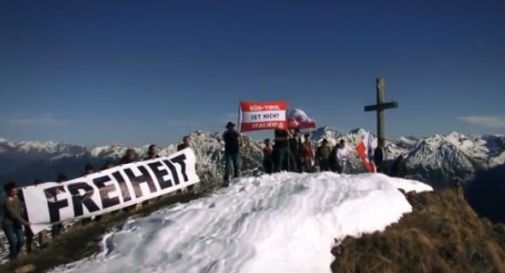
(13, 221)
(399, 168)
(378, 157)
(323, 154)
(231, 151)
(268, 161)
(152, 152)
(186, 141)
(332, 161)
(295, 145)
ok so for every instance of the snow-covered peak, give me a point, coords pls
(405, 144)
(37, 146)
(439, 160)
(325, 132)
(40, 147)
(111, 151)
(359, 131)
(408, 140)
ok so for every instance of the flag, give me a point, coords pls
(298, 119)
(263, 115)
(365, 151)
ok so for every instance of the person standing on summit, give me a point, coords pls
(296, 147)
(323, 156)
(231, 151)
(378, 157)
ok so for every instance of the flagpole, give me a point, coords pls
(239, 119)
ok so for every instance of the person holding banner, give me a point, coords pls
(152, 152)
(129, 157)
(13, 221)
(284, 160)
(231, 152)
(186, 143)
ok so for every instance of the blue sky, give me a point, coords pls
(136, 72)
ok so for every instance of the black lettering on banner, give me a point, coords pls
(180, 160)
(82, 200)
(53, 203)
(105, 190)
(122, 186)
(172, 168)
(161, 173)
(145, 177)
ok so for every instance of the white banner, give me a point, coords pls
(264, 116)
(108, 190)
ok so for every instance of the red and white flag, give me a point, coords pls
(298, 119)
(365, 151)
(263, 115)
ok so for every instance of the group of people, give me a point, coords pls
(290, 151)
(295, 153)
(13, 218)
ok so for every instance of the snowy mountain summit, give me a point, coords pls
(258, 224)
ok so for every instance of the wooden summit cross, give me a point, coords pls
(380, 107)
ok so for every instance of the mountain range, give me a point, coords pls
(435, 160)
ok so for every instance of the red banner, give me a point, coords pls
(263, 115)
